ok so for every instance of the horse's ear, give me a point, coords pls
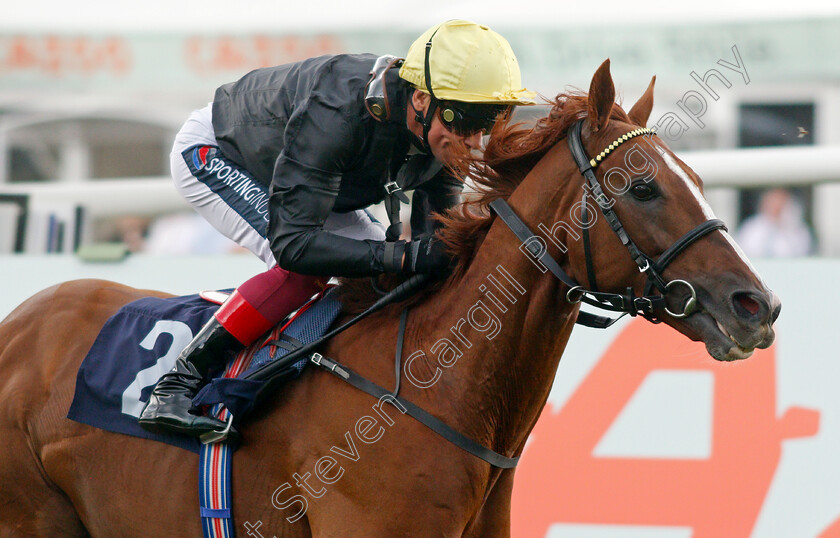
(601, 96)
(640, 112)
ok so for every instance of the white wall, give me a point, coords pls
(23, 276)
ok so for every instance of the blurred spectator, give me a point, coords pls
(777, 230)
(127, 229)
(187, 234)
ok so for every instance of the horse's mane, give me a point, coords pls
(512, 151)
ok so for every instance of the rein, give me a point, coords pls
(404, 406)
(647, 305)
(403, 291)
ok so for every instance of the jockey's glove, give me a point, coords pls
(427, 255)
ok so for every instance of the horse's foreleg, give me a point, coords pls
(493, 518)
(30, 504)
(409, 517)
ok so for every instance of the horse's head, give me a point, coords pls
(658, 201)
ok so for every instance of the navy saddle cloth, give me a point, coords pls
(141, 342)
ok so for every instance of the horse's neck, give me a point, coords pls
(511, 324)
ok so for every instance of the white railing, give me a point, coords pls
(147, 196)
(763, 167)
(722, 172)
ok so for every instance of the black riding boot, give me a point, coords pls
(171, 400)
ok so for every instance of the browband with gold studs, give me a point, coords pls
(595, 161)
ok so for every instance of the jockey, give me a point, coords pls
(285, 160)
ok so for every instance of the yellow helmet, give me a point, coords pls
(467, 62)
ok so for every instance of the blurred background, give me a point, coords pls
(91, 97)
(93, 92)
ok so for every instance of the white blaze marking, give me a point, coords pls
(737, 248)
(675, 168)
(707, 210)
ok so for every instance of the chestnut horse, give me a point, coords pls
(480, 354)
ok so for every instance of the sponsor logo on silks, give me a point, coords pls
(200, 155)
(235, 185)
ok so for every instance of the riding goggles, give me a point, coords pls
(465, 119)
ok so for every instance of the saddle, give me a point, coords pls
(239, 394)
(141, 341)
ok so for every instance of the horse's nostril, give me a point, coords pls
(747, 303)
(751, 307)
(776, 312)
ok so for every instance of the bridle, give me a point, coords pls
(648, 306)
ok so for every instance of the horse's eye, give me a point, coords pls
(643, 191)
